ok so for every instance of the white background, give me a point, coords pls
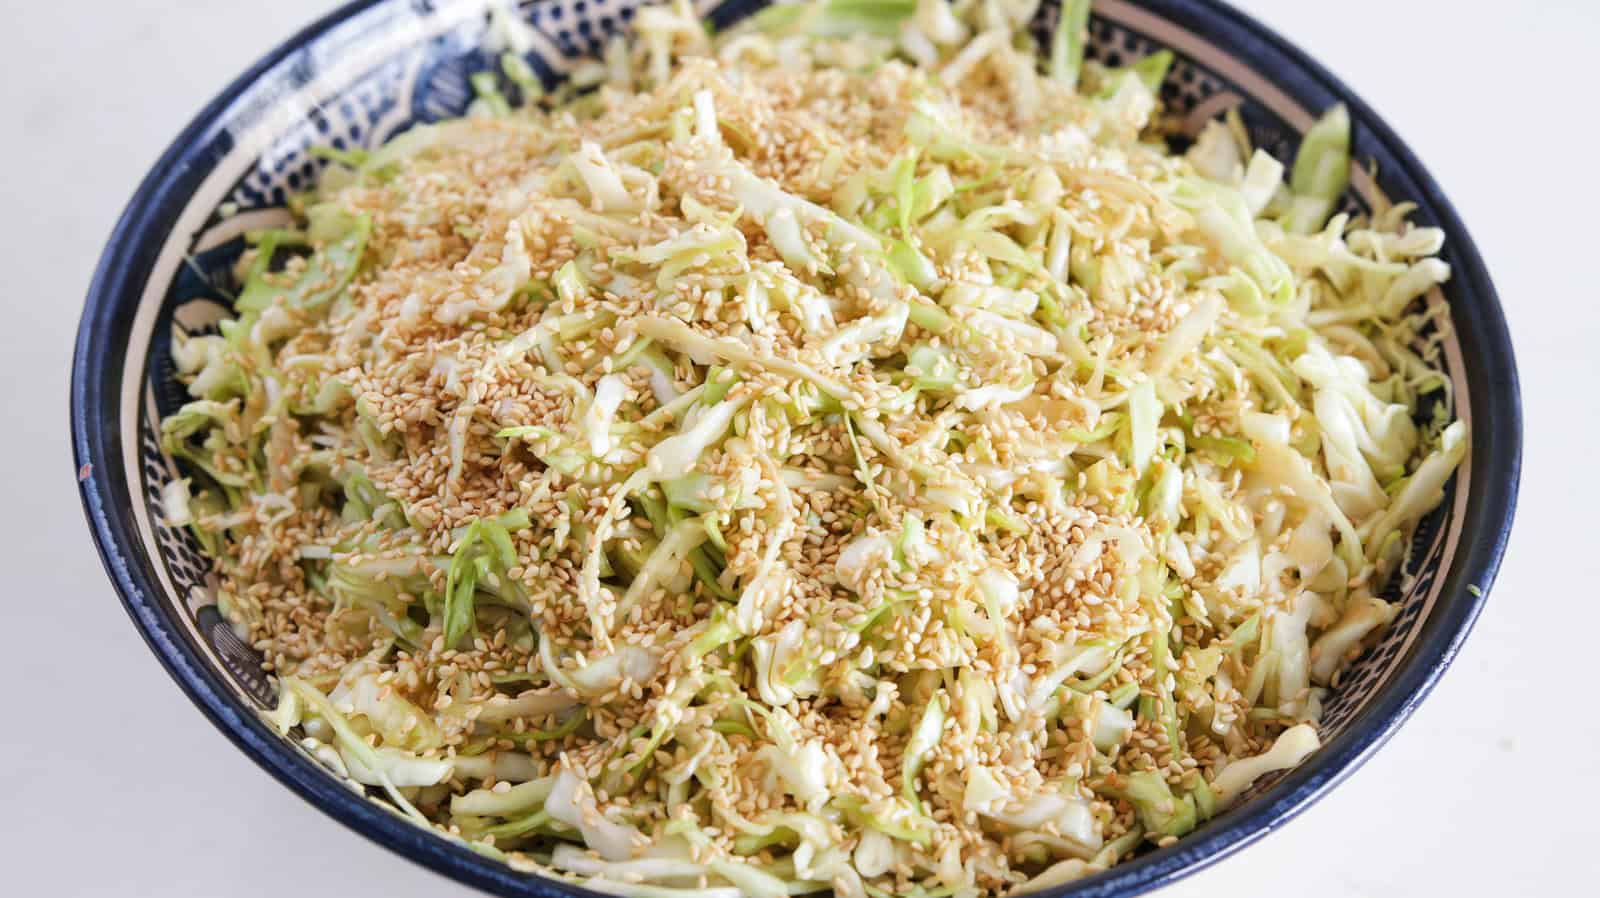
(112, 784)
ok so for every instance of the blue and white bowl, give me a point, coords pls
(377, 67)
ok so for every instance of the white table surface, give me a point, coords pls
(112, 784)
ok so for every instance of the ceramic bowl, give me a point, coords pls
(374, 68)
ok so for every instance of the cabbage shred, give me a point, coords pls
(848, 451)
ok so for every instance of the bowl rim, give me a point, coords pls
(97, 447)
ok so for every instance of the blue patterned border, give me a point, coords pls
(423, 79)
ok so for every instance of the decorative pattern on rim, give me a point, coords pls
(427, 81)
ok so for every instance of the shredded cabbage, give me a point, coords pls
(850, 450)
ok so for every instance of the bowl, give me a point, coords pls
(375, 67)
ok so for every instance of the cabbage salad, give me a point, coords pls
(849, 451)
